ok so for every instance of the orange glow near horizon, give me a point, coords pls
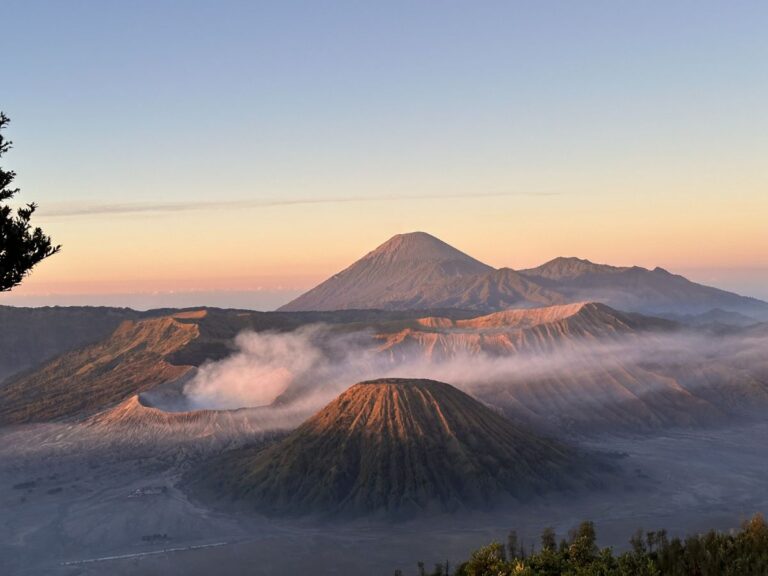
(295, 247)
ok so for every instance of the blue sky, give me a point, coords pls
(480, 122)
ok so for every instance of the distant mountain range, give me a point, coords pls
(419, 271)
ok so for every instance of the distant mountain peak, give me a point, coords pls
(567, 267)
(393, 276)
(419, 247)
(570, 260)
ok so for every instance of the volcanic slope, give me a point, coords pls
(399, 274)
(417, 271)
(135, 422)
(132, 359)
(30, 336)
(396, 275)
(395, 447)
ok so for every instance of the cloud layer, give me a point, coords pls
(306, 368)
(73, 209)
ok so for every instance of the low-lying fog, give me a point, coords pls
(309, 366)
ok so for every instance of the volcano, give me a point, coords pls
(399, 274)
(417, 271)
(396, 447)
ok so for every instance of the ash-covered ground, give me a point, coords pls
(74, 503)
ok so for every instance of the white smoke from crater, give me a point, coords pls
(267, 364)
(306, 368)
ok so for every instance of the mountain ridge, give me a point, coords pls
(132, 359)
(417, 270)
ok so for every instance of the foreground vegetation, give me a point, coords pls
(742, 553)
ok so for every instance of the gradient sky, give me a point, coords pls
(193, 152)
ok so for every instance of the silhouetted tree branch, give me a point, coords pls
(21, 246)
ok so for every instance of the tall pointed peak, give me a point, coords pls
(418, 247)
(407, 271)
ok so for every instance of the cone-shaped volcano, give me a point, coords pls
(399, 274)
(397, 447)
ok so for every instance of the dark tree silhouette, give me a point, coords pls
(21, 246)
(549, 539)
(512, 549)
